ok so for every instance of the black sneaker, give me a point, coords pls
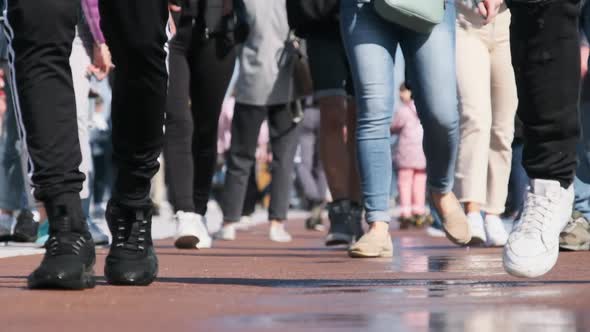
(356, 213)
(341, 230)
(25, 229)
(132, 259)
(69, 259)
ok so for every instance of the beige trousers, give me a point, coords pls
(487, 102)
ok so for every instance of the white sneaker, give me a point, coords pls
(478, 234)
(533, 245)
(495, 232)
(205, 241)
(278, 233)
(226, 233)
(187, 230)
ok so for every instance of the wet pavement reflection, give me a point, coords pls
(433, 288)
(514, 319)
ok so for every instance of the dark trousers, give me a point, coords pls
(135, 33)
(241, 157)
(199, 77)
(310, 172)
(546, 60)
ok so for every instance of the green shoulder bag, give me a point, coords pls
(417, 15)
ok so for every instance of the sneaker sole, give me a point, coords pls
(86, 281)
(455, 240)
(122, 279)
(359, 254)
(577, 247)
(187, 242)
(520, 272)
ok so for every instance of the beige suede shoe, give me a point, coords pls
(372, 246)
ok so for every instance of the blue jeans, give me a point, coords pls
(14, 186)
(582, 180)
(371, 44)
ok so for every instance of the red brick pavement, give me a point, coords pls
(255, 285)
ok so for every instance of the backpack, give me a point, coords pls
(312, 17)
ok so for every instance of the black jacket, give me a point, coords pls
(313, 17)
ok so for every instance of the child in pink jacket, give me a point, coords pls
(409, 160)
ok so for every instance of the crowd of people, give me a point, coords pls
(468, 124)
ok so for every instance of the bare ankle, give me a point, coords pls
(379, 227)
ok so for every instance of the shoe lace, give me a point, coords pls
(65, 245)
(537, 212)
(130, 236)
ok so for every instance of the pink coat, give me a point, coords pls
(409, 152)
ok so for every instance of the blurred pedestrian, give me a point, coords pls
(264, 90)
(410, 161)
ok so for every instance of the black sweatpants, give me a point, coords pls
(135, 33)
(241, 157)
(546, 59)
(200, 73)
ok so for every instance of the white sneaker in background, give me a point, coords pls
(226, 233)
(478, 233)
(187, 230)
(496, 235)
(277, 233)
(533, 245)
(6, 222)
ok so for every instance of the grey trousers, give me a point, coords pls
(241, 157)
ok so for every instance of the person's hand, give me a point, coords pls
(489, 9)
(2, 94)
(172, 9)
(102, 63)
(584, 54)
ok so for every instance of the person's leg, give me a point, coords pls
(582, 180)
(436, 103)
(179, 124)
(504, 105)
(475, 109)
(240, 159)
(404, 182)
(211, 73)
(546, 60)
(79, 62)
(11, 173)
(283, 134)
(251, 197)
(518, 181)
(419, 193)
(354, 181)
(135, 31)
(304, 169)
(332, 82)
(370, 44)
(42, 43)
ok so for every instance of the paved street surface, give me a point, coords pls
(255, 285)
